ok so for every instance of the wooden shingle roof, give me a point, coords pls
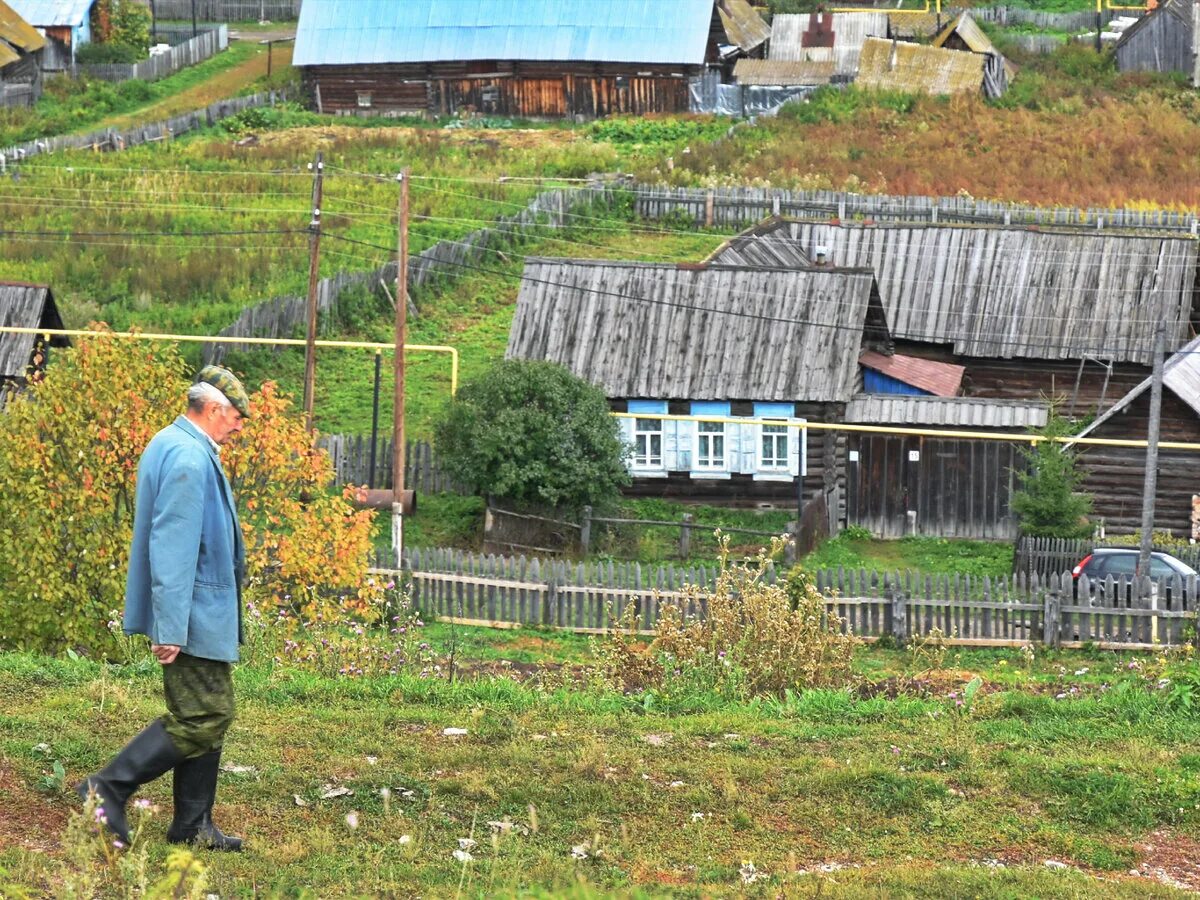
(697, 332)
(1014, 292)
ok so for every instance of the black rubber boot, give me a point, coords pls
(143, 759)
(195, 794)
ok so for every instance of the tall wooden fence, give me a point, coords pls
(228, 10)
(351, 456)
(208, 43)
(111, 139)
(965, 610)
(736, 207)
(279, 316)
(1042, 556)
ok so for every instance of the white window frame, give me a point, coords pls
(365, 99)
(783, 464)
(700, 434)
(640, 463)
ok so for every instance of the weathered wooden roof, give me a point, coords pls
(905, 25)
(959, 412)
(965, 29)
(1178, 10)
(825, 37)
(16, 36)
(938, 378)
(763, 246)
(783, 72)
(1013, 292)
(1181, 374)
(697, 332)
(23, 306)
(743, 25)
(917, 68)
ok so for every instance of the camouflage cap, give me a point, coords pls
(227, 383)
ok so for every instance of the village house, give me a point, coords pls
(23, 356)
(21, 49)
(570, 58)
(65, 23)
(1160, 41)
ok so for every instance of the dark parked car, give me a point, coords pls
(1117, 562)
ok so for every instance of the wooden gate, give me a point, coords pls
(906, 484)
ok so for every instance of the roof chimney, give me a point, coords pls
(822, 256)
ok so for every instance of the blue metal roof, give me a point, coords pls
(344, 32)
(52, 13)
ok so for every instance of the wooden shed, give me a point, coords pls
(513, 57)
(710, 341)
(21, 49)
(24, 356)
(65, 23)
(1160, 41)
(1115, 475)
(825, 37)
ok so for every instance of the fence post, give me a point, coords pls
(585, 530)
(685, 536)
(899, 618)
(550, 598)
(1051, 619)
(709, 203)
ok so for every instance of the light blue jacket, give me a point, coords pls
(187, 561)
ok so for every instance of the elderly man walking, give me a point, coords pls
(186, 567)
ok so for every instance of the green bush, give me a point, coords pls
(107, 53)
(532, 433)
(673, 130)
(1047, 502)
(269, 118)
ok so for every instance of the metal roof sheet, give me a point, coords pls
(961, 412)
(23, 306)
(898, 66)
(52, 13)
(939, 378)
(697, 333)
(16, 31)
(798, 37)
(783, 72)
(356, 32)
(1012, 292)
(743, 25)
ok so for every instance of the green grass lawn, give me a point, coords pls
(890, 789)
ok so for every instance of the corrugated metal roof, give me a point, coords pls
(743, 25)
(796, 37)
(959, 412)
(666, 332)
(783, 72)
(16, 31)
(350, 32)
(897, 66)
(52, 13)
(23, 306)
(1181, 374)
(1013, 292)
(938, 378)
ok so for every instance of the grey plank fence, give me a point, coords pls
(966, 610)
(208, 43)
(228, 10)
(110, 139)
(279, 316)
(1056, 21)
(735, 207)
(351, 456)
(1043, 556)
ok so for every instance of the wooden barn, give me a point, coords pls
(1115, 475)
(66, 24)
(1028, 315)
(569, 58)
(21, 50)
(825, 37)
(1160, 41)
(711, 341)
(23, 356)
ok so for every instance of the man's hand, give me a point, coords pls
(165, 653)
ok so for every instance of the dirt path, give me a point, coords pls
(221, 86)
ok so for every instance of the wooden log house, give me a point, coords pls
(571, 58)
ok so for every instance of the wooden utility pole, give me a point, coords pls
(398, 396)
(1150, 486)
(314, 256)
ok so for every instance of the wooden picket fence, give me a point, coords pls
(351, 457)
(209, 42)
(960, 609)
(1044, 556)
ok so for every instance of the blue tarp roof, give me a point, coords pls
(52, 13)
(344, 32)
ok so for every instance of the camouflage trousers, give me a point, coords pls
(199, 694)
